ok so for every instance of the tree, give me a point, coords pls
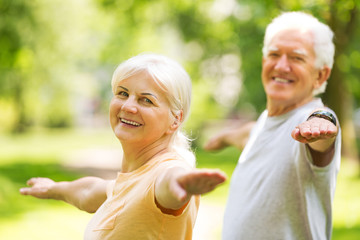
(15, 15)
(48, 59)
(248, 19)
(344, 19)
(51, 48)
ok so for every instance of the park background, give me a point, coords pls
(56, 62)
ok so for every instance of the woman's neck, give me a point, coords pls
(136, 156)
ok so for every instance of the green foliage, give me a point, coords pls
(48, 49)
(57, 57)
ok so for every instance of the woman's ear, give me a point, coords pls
(176, 123)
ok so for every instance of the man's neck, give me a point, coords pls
(277, 108)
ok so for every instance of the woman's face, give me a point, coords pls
(139, 111)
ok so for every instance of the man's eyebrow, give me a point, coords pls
(300, 51)
(272, 48)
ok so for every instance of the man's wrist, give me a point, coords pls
(323, 114)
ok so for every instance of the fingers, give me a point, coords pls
(32, 181)
(24, 191)
(217, 142)
(295, 134)
(313, 130)
(28, 191)
(213, 144)
(209, 145)
(38, 187)
(201, 181)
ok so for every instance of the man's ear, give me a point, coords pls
(323, 75)
(262, 60)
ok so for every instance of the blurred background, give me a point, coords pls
(56, 62)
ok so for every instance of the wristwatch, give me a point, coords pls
(325, 115)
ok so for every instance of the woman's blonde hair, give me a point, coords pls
(174, 81)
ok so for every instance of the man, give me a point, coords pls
(284, 183)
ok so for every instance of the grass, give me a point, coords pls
(346, 215)
(42, 154)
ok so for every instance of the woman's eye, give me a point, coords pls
(123, 93)
(148, 100)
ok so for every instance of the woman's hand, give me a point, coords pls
(199, 181)
(175, 188)
(87, 193)
(40, 188)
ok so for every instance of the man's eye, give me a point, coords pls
(272, 54)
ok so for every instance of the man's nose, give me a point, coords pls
(283, 64)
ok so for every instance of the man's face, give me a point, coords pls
(288, 71)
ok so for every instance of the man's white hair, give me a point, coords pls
(322, 37)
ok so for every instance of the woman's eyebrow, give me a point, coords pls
(149, 94)
(123, 88)
(145, 93)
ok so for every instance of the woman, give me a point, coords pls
(155, 196)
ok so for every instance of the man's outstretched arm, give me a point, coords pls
(319, 134)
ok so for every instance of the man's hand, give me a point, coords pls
(235, 136)
(217, 142)
(314, 129)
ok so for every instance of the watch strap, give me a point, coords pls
(323, 114)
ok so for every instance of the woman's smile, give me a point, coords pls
(130, 122)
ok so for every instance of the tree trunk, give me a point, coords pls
(337, 96)
(18, 95)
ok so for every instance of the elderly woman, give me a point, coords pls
(155, 196)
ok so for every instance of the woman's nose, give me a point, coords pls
(129, 105)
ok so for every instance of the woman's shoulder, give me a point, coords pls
(171, 159)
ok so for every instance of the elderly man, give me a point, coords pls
(284, 183)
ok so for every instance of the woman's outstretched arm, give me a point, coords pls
(175, 187)
(86, 193)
